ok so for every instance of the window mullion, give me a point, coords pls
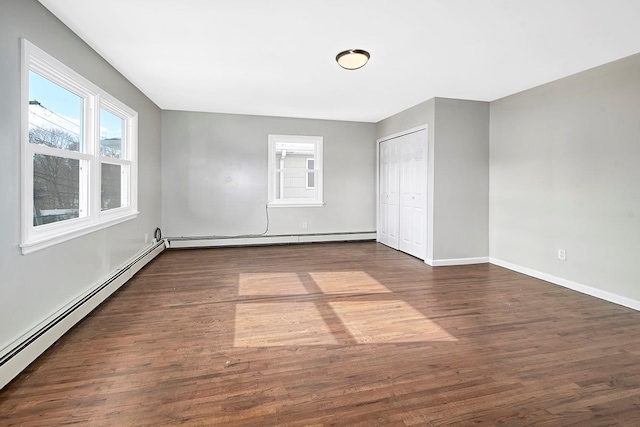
(115, 161)
(57, 152)
(93, 146)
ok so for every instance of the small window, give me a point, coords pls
(79, 149)
(295, 170)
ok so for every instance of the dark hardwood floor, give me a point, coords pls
(351, 334)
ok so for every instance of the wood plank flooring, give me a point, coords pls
(337, 334)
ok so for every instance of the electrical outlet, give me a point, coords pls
(304, 225)
(146, 237)
(562, 254)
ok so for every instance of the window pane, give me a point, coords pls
(111, 134)
(311, 179)
(111, 186)
(293, 185)
(311, 174)
(55, 114)
(56, 189)
(293, 158)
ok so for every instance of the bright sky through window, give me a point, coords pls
(110, 125)
(63, 108)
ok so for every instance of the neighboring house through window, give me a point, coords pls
(295, 170)
(79, 148)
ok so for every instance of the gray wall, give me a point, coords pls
(565, 173)
(458, 174)
(417, 115)
(461, 179)
(214, 179)
(35, 286)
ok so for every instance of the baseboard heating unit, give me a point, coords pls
(19, 354)
(216, 241)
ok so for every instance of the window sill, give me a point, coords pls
(295, 204)
(37, 244)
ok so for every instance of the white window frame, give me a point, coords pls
(92, 218)
(273, 169)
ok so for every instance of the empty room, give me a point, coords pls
(315, 213)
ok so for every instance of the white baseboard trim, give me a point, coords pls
(18, 355)
(456, 261)
(588, 290)
(210, 242)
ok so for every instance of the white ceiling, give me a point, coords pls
(277, 57)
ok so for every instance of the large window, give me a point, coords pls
(79, 154)
(295, 170)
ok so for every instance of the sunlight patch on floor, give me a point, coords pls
(256, 284)
(387, 322)
(267, 324)
(348, 282)
(263, 323)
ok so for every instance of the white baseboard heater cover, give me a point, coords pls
(19, 354)
(213, 241)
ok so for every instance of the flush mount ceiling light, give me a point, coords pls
(353, 59)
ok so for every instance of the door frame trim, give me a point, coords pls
(403, 133)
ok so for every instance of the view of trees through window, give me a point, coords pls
(111, 196)
(56, 121)
(111, 142)
(56, 180)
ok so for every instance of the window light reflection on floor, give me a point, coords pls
(387, 322)
(347, 282)
(295, 323)
(256, 284)
(268, 324)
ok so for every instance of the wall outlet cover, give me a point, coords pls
(562, 254)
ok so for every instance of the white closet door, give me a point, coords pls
(413, 219)
(389, 197)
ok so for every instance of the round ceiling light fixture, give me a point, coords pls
(353, 59)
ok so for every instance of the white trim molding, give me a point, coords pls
(456, 261)
(584, 289)
(403, 133)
